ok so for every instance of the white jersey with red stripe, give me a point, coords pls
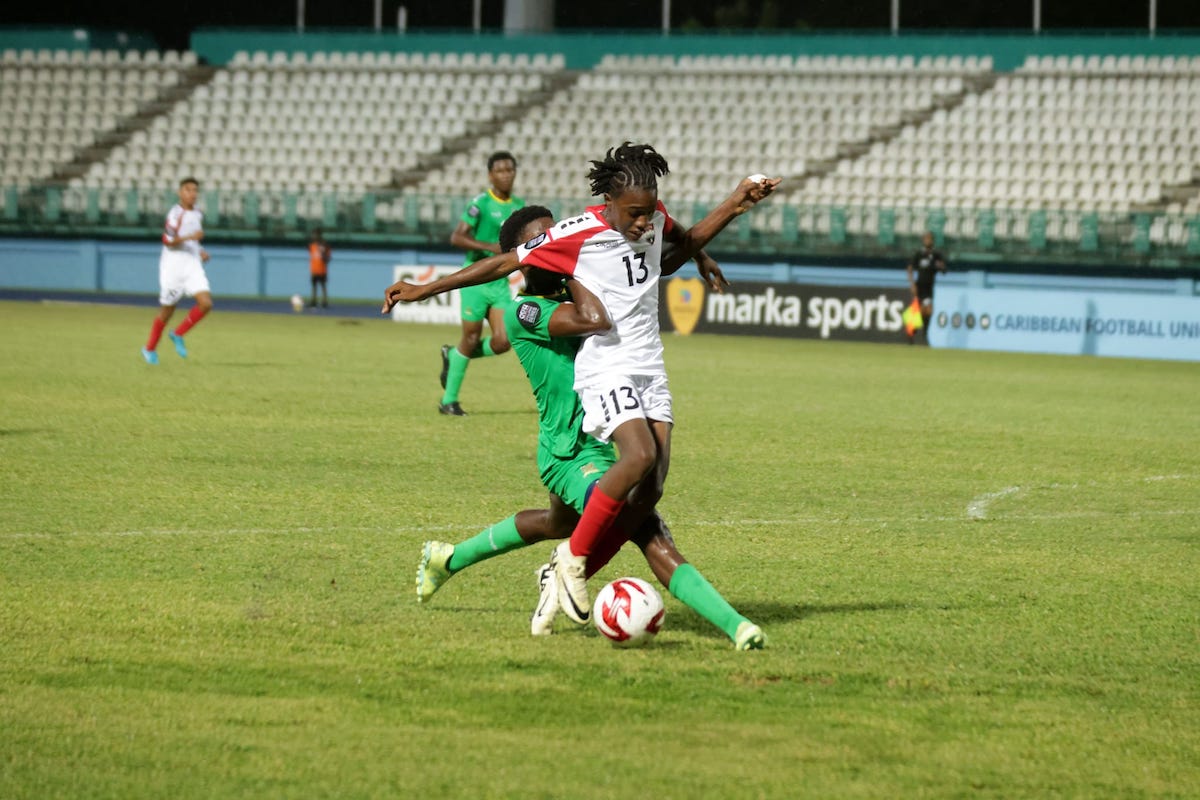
(182, 222)
(624, 275)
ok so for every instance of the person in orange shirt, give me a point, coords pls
(318, 267)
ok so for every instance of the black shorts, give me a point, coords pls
(321, 279)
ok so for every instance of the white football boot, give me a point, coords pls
(542, 621)
(570, 573)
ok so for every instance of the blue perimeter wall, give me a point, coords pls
(976, 309)
(251, 270)
(257, 271)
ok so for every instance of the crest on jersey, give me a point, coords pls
(473, 211)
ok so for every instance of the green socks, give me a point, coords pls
(454, 376)
(458, 368)
(484, 349)
(492, 541)
(695, 591)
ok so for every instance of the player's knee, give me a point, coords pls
(205, 304)
(470, 340)
(500, 344)
(638, 459)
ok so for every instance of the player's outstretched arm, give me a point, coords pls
(482, 271)
(748, 193)
(583, 316)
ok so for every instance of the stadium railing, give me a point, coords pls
(986, 235)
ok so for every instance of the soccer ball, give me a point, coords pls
(628, 611)
(297, 303)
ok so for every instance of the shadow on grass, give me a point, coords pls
(23, 431)
(502, 412)
(766, 613)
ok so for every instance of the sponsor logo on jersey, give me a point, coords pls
(528, 314)
(473, 211)
(536, 241)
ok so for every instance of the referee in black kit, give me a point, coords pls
(922, 267)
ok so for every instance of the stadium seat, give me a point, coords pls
(888, 128)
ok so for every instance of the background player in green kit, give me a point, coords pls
(478, 232)
(545, 331)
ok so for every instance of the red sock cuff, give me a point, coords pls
(195, 315)
(598, 516)
(156, 329)
(605, 549)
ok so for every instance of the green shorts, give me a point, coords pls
(475, 301)
(569, 478)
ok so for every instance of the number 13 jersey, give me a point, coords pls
(624, 275)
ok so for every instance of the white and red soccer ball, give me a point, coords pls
(628, 611)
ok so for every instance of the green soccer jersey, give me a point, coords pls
(549, 362)
(485, 214)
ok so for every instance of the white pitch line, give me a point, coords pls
(978, 507)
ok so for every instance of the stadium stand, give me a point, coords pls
(54, 104)
(329, 124)
(1063, 152)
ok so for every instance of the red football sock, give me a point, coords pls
(195, 315)
(597, 519)
(156, 329)
(604, 551)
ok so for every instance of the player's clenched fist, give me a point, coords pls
(753, 189)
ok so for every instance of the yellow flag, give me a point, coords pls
(912, 318)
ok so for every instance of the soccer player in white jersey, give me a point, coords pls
(180, 271)
(615, 250)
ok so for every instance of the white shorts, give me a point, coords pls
(610, 401)
(180, 275)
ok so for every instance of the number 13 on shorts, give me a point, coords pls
(609, 404)
(620, 401)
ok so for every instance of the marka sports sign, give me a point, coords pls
(860, 314)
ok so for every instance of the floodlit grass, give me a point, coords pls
(978, 572)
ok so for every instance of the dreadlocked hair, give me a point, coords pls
(625, 167)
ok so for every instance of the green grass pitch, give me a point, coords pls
(979, 573)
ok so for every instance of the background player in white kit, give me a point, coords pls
(180, 271)
(616, 251)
